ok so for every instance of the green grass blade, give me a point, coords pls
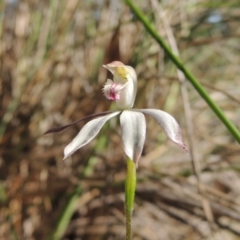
(66, 215)
(176, 60)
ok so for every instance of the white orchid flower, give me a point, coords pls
(122, 89)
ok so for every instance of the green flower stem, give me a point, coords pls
(200, 89)
(130, 186)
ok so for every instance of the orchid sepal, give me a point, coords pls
(168, 123)
(87, 133)
(133, 126)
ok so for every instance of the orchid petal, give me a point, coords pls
(168, 123)
(58, 129)
(87, 133)
(133, 133)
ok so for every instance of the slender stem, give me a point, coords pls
(130, 186)
(176, 60)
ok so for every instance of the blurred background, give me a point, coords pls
(51, 74)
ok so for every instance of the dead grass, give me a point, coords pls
(51, 74)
